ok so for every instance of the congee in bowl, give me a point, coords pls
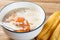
(26, 18)
(23, 19)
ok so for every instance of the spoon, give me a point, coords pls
(6, 25)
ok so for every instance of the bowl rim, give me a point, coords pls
(30, 30)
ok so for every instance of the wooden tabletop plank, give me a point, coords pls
(51, 1)
(50, 7)
(46, 1)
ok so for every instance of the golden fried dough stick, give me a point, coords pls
(56, 33)
(58, 37)
(50, 31)
(47, 26)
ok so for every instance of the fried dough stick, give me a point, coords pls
(59, 37)
(44, 35)
(56, 33)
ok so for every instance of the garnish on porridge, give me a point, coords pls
(19, 22)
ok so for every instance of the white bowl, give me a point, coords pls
(24, 35)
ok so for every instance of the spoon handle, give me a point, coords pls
(5, 26)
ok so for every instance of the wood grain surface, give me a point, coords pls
(49, 6)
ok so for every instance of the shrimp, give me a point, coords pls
(22, 23)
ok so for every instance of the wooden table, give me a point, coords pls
(49, 6)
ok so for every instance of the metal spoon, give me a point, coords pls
(6, 25)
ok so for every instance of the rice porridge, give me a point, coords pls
(23, 19)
